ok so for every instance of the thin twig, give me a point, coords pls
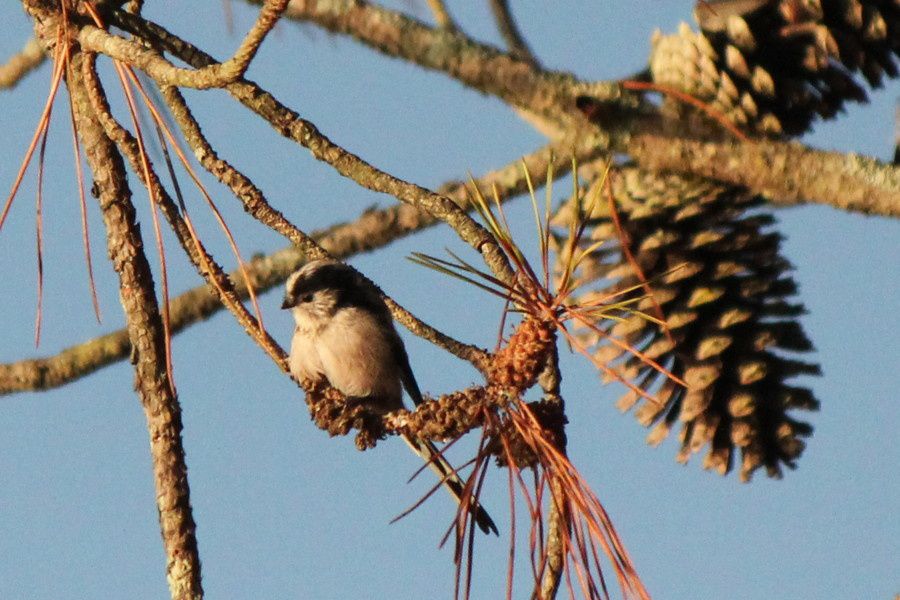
(258, 207)
(441, 15)
(509, 30)
(289, 124)
(214, 75)
(686, 98)
(554, 553)
(241, 186)
(20, 64)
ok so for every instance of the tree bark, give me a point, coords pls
(147, 338)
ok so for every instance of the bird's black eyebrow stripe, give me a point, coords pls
(326, 276)
(350, 290)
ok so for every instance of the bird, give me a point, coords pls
(344, 334)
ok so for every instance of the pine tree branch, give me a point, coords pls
(372, 230)
(802, 174)
(517, 81)
(259, 208)
(289, 124)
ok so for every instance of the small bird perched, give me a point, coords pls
(344, 334)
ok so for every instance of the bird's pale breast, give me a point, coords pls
(355, 353)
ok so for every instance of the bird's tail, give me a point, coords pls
(451, 480)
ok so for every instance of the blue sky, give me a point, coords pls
(285, 512)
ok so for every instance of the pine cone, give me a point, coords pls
(517, 365)
(716, 272)
(773, 65)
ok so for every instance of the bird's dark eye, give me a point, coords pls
(306, 298)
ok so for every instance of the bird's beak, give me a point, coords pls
(288, 303)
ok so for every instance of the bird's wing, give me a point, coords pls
(406, 374)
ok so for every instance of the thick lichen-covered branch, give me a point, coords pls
(147, 340)
(785, 173)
